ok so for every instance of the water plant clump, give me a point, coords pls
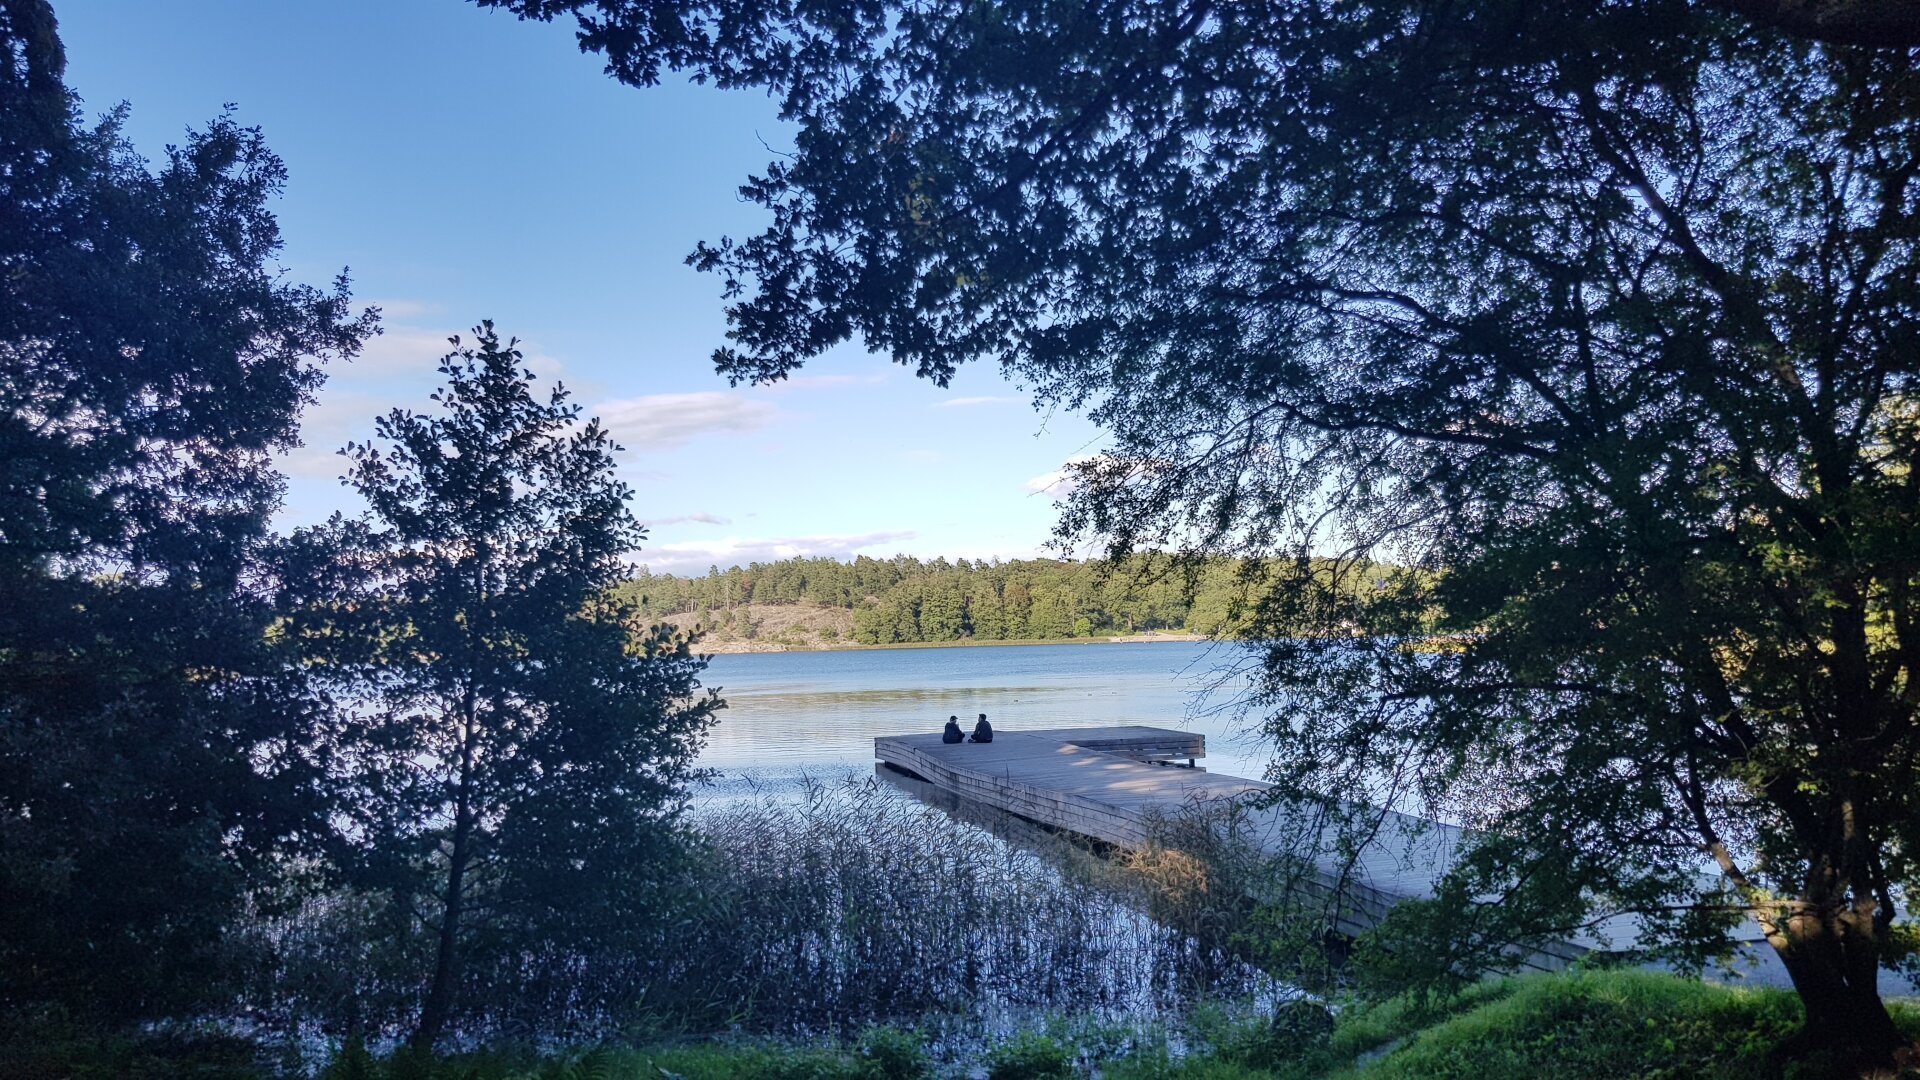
(811, 916)
(854, 903)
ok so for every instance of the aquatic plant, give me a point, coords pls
(813, 915)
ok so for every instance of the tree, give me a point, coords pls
(943, 609)
(157, 754)
(525, 744)
(1600, 315)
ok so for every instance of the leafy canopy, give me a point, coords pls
(1606, 312)
(155, 753)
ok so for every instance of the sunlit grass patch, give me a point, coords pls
(1612, 1024)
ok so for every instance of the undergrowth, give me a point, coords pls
(1634, 1025)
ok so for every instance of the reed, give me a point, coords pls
(817, 915)
(854, 904)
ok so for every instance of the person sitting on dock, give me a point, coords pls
(982, 731)
(952, 734)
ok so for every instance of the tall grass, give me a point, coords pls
(854, 904)
(847, 906)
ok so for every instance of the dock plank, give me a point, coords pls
(1114, 783)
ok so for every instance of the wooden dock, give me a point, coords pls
(1115, 783)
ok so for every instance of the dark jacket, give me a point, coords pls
(983, 731)
(952, 733)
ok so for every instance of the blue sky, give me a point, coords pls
(465, 165)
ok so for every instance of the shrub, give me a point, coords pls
(1030, 1056)
(1297, 1035)
(892, 1054)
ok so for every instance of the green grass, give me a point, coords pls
(1633, 1025)
(1627, 1024)
(1624, 1024)
(1614, 1024)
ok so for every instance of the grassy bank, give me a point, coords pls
(1627, 1024)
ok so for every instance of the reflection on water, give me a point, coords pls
(795, 715)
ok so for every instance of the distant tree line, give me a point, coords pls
(903, 600)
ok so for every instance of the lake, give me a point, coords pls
(1045, 944)
(814, 715)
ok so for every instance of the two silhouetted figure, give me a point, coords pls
(982, 731)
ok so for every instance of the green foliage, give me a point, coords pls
(1030, 1056)
(893, 1054)
(156, 750)
(904, 600)
(1612, 1024)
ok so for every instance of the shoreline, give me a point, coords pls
(746, 648)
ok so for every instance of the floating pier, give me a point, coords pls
(1116, 784)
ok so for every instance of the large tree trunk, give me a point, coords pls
(1834, 961)
(446, 967)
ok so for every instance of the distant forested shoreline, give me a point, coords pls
(824, 602)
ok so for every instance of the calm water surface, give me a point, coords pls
(815, 715)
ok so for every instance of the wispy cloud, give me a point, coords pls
(415, 352)
(399, 350)
(664, 421)
(971, 402)
(687, 558)
(345, 412)
(397, 369)
(702, 518)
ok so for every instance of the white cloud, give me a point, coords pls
(1061, 482)
(694, 558)
(1056, 483)
(415, 351)
(344, 413)
(398, 350)
(664, 421)
(970, 402)
(702, 517)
